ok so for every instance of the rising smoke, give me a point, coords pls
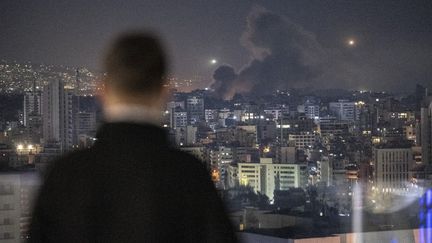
(284, 55)
(224, 77)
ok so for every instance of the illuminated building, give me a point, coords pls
(211, 115)
(303, 140)
(57, 115)
(392, 165)
(312, 111)
(266, 177)
(275, 113)
(324, 170)
(179, 117)
(294, 126)
(195, 109)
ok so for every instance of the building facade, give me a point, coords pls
(344, 110)
(57, 115)
(392, 168)
(266, 177)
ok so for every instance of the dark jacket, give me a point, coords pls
(131, 186)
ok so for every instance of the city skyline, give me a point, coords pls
(16, 77)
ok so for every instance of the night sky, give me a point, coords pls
(282, 43)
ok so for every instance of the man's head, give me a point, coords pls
(136, 66)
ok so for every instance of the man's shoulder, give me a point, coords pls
(70, 162)
(186, 161)
(183, 157)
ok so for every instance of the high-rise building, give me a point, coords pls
(32, 116)
(178, 117)
(195, 109)
(85, 124)
(426, 134)
(325, 173)
(57, 115)
(32, 105)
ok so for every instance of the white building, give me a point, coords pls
(392, 168)
(325, 171)
(195, 109)
(312, 111)
(266, 177)
(57, 115)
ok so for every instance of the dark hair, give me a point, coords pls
(136, 64)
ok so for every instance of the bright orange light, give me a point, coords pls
(351, 42)
(215, 175)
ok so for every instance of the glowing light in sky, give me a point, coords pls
(351, 42)
(213, 61)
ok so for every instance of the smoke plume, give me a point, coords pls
(284, 55)
(224, 77)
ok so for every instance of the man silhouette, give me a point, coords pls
(131, 186)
